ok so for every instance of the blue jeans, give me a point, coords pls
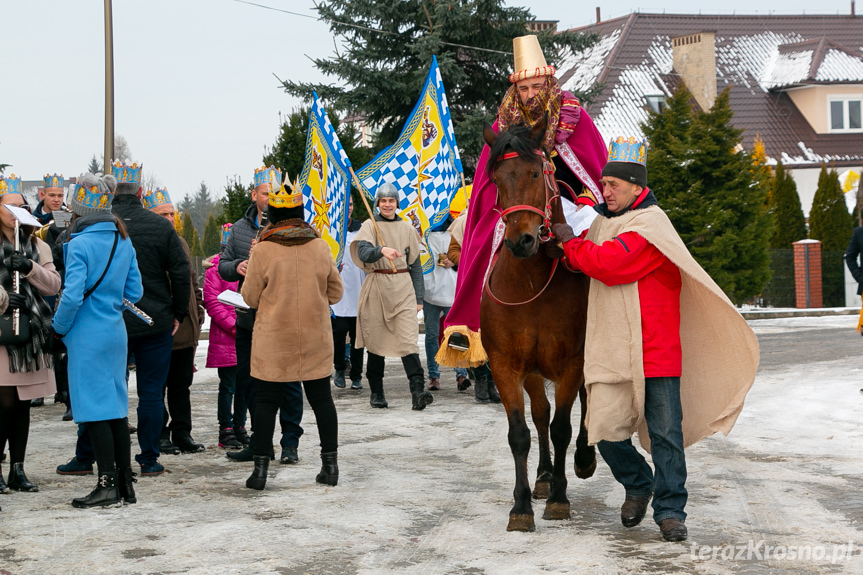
(664, 416)
(83, 447)
(152, 362)
(227, 389)
(431, 316)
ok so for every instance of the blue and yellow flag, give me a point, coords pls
(424, 164)
(326, 182)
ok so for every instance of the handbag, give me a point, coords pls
(7, 334)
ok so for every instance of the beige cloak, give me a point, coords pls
(720, 351)
(387, 311)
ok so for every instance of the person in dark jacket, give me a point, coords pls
(165, 274)
(852, 258)
(233, 262)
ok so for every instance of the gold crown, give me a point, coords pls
(286, 198)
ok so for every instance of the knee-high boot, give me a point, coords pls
(329, 474)
(258, 478)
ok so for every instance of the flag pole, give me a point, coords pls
(371, 213)
(464, 190)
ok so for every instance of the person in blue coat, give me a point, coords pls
(101, 270)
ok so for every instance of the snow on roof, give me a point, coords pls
(588, 64)
(839, 65)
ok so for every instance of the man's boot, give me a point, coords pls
(329, 474)
(125, 479)
(106, 493)
(339, 379)
(377, 397)
(493, 395)
(480, 388)
(258, 478)
(419, 396)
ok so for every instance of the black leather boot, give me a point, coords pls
(480, 388)
(125, 479)
(329, 474)
(377, 397)
(258, 478)
(18, 481)
(493, 395)
(419, 396)
(106, 493)
(245, 454)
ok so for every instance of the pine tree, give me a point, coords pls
(830, 222)
(789, 224)
(235, 202)
(211, 238)
(380, 74)
(191, 235)
(94, 167)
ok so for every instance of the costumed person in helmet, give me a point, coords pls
(578, 152)
(292, 280)
(391, 296)
(660, 333)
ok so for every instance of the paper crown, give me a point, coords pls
(54, 181)
(155, 198)
(92, 197)
(628, 150)
(271, 175)
(226, 231)
(10, 185)
(285, 198)
(529, 59)
(125, 173)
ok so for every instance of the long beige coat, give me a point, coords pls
(292, 287)
(720, 351)
(387, 312)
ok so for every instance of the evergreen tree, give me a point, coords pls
(235, 202)
(789, 224)
(830, 222)
(212, 237)
(380, 73)
(94, 167)
(191, 235)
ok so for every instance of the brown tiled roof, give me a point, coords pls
(754, 55)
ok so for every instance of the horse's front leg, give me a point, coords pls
(512, 398)
(557, 505)
(540, 411)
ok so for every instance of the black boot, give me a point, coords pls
(166, 446)
(493, 395)
(18, 481)
(106, 493)
(3, 487)
(245, 454)
(329, 474)
(125, 479)
(480, 388)
(377, 398)
(419, 396)
(258, 478)
(339, 379)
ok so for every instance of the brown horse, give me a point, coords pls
(533, 316)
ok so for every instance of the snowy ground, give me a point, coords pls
(429, 492)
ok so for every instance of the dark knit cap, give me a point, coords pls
(628, 171)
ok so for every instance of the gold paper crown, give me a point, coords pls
(529, 60)
(54, 181)
(282, 198)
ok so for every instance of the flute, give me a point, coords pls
(139, 313)
(16, 285)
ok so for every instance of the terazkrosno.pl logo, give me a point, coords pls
(762, 551)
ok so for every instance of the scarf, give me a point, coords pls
(295, 232)
(35, 354)
(512, 112)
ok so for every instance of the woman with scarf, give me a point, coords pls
(26, 369)
(291, 280)
(575, 147)
(101, 270)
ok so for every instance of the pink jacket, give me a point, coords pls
(223, 329)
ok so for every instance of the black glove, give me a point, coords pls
(17, 300)
(20, 263)
(562, 232)
(553, 250)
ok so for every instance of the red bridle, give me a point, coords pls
(551, 194)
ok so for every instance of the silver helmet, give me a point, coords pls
(386, 190)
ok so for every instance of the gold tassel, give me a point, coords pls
(450, 357)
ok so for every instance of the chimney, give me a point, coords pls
(599, 19)
(852, 7)
(694, 58)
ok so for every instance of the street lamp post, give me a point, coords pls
(109, 87)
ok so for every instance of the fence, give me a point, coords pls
(780, 291)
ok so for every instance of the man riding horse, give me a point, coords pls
(578, 152)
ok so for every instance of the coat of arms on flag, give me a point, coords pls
(325, 181)
(423, 164)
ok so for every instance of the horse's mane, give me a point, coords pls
(515, 139)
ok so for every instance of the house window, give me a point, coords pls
(656, 102)
(845, 114)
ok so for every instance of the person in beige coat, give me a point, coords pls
(391, 297)
(292, 280)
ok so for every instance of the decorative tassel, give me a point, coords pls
(450, 357)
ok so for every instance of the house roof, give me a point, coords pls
(755, 55)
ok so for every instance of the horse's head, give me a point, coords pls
(517, 164)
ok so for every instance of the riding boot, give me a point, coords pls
(106, 493)
(493, 395)
(480, 388)
(377, 397)
(18, 481)
(125, 479)
(419, 396)
(258, 478)
(329, 474)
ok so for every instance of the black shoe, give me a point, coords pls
(462, 383)
(167, 447)
(228, 439)
(68, 415)
(493, 395)
(186, 444)
(673, 529)
(420, 398)
(289, 455)
(377, 398)
(356, 384)
(480, 389)
(38, 402)
(458, 341)
(125, 480)
(329, 474)
(245, 454)
(18, 481)
(242, 435)
(633, 509)
(258, 478)
(61, 397)
(339, 379)
(106, 493)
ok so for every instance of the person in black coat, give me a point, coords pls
(852, 258)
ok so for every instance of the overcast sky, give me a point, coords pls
(195, 94)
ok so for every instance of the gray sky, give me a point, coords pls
(195, 95)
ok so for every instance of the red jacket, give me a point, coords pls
(629, 258)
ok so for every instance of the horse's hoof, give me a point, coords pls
(556, 511)
(521, 522)
(584, 473)
(542, 489)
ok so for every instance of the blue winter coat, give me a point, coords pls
(95, 333)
